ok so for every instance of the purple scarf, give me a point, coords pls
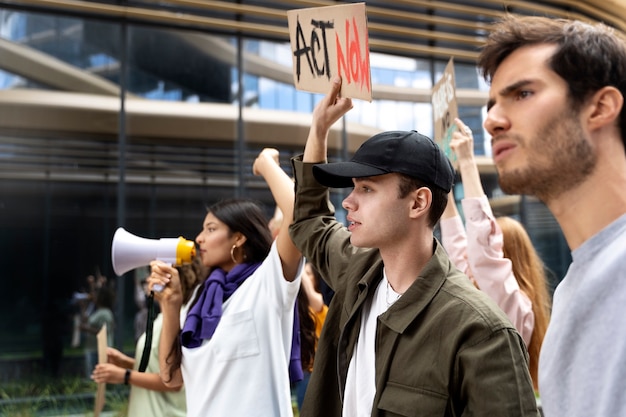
(204, 316)
(295, 361)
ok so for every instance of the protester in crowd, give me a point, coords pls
(84, 302)
(277, 219)
(80, 301)
(312, 312)
(322, 287)
(496, 253)
(141, 301)
(310, 305)
(148, 394)
(234, 350)
(406, 333)
(102, 315)
(558, 124)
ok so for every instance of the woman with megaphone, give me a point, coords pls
(236, 346)
(149, 396)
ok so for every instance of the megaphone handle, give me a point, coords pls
(145, 356)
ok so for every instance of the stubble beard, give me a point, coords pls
(561, 158)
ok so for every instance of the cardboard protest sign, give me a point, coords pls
(330, 41)
(445, 110)
(102, 358)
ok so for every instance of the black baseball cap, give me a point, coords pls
(409, 153)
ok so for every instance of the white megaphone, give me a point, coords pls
(129, 251)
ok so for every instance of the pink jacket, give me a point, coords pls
(479, 254)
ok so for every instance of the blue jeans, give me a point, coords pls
(300, 388)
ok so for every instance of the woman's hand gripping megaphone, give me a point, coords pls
(184, 253)
(164, 281)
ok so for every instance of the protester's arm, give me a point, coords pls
(281, 186)
(316, 232)
(86, 327)
(463, 146)
(493, 379)
(118, 358)
(330, 109)
(316, 300)
(492, 272)
(113, 374)
(170, 300)
(453, 236)
(451, 210)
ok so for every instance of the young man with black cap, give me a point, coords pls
(406, 332)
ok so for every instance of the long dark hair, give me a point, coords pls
(308, 337)
(531, 276)
(243, 216)
(247, 218)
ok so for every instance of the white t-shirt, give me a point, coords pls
(361, 379)
(582, 366)
(243, 369)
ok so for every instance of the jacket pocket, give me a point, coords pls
(237, 337)
(402, 400)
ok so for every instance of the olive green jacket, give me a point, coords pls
(443, 349)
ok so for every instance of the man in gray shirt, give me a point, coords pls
(558, 124)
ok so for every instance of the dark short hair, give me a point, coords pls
(439, 201)
(588, 56)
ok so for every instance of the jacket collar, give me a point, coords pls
(419, 295)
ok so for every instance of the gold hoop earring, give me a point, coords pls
(232, 254)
